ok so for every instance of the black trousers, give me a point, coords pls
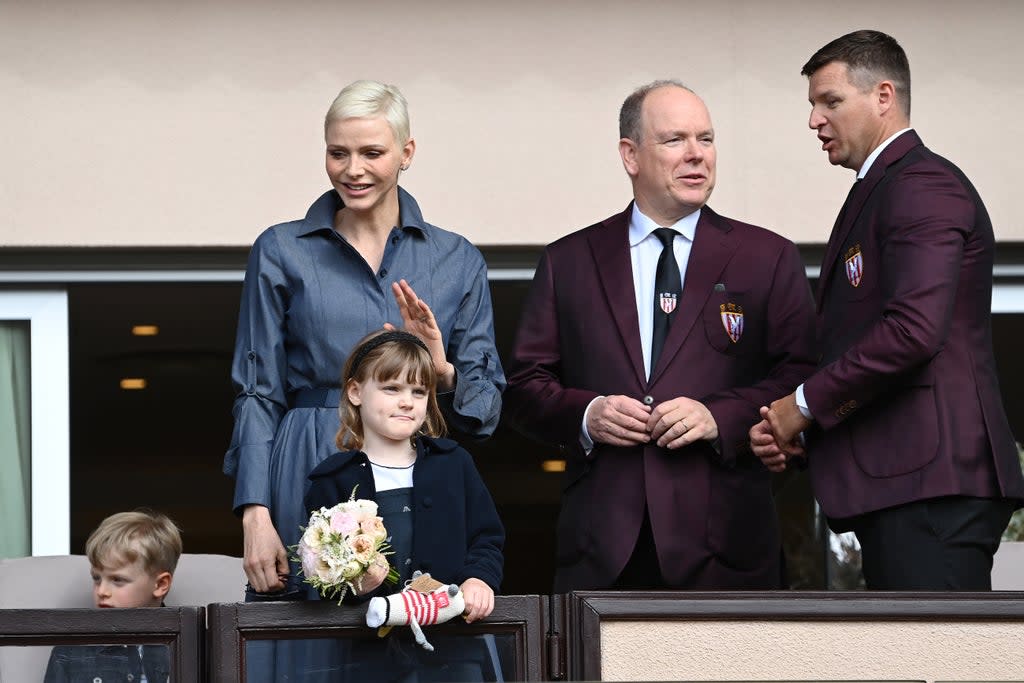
(939, 544)
(642, 571)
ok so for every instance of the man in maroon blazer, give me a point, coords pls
(907, 440)
(661, 489)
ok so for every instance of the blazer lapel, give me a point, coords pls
(712, 249)
(851, 209)
(832, 248)
(610, 249)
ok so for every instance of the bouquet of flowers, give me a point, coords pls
(343, 549)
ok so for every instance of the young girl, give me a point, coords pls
(438, 513)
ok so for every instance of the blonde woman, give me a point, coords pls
(360, 260)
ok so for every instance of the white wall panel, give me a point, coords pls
(199, 123)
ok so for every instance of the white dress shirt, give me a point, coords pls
(644, 252)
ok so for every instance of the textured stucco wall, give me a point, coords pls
(811, 651)
(199, 123)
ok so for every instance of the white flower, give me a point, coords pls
(351, 570)
(316, 533)
(329, 571)
(364, 510)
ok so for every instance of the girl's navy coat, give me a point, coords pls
(456, 530)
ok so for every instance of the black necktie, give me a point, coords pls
(667, 290)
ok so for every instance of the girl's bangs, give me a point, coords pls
(404, 364)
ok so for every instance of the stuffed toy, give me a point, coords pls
(424, 601)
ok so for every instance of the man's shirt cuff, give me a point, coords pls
(585, 441)
(801, 403)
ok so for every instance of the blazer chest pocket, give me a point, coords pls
(730, 323)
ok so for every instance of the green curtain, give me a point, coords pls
(15, 441)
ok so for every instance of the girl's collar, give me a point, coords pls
(428, 445)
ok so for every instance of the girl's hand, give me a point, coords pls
(418, 319)
(374, 576)
(479, 599)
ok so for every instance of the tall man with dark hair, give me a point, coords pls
(907, 440)
(647, 343)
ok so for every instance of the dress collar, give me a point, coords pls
(320, 216)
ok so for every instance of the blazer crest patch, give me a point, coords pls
(668, 302)
(732, 320)
(854, 265)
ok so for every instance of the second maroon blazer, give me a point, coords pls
(907, 398)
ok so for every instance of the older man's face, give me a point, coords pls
(673, 164)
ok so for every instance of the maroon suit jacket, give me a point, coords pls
(712, 513)
(907, 399)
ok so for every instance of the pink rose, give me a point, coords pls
(343, 523)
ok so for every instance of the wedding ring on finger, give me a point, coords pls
(685, 428)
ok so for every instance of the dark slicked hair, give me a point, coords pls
(632, 109)
(870, 57)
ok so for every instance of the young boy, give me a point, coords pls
(133, 557)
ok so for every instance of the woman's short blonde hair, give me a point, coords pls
(127, 537)
(363, 99)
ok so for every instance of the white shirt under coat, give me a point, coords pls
(644, 252)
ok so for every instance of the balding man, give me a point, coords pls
(647, 344)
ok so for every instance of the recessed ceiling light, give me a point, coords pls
(133, 383)
(145, 330)
(553, 466)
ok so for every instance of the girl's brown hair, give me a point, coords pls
(384, 356)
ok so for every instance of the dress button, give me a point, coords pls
(427, 502)
(383, 272)
(252, 355)
(394, 240)
(648, 400)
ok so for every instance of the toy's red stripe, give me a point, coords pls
(422, 607)
(409, 606)
(431, 609)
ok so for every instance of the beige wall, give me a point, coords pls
(199, 122)
(811, 651)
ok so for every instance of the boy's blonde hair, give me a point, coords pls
(384, 356)
(127, 537)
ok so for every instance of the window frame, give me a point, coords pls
(46, 311)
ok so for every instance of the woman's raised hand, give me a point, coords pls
(418, 319)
